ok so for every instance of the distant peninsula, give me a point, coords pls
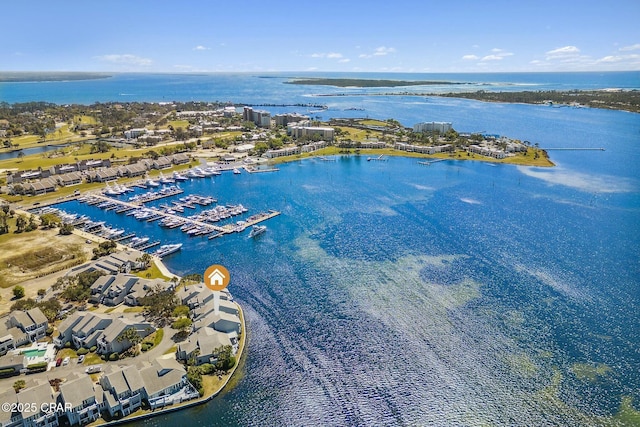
(367, 82)
(48, 76)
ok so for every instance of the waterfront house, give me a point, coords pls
(180, 159)
(221, 321)
(124, 390)
(200, 347)
(42, 416)
(69, 178)
(102, 175)
(31, 322)
(288, 151)
(132, 170)
(39, 187)
(163, 162)
(84, 398)
(165, 382)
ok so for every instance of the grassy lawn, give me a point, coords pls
(67, 352)
(153, 272)
(88, 120)
(184, 124)
(133, 310)
(171, 349)
(359, 134)
(372, 122)
(92, 359)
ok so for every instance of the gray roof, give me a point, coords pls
(37, 316)
(7, 396)
(39, 394)
(22, 318)
(161, 374)
(77, 391)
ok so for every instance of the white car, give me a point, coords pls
(81, 358)
(66, 360)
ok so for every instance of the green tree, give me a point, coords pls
(21, 223)
(181, 310)
(159, 302)
(226, 359)
(182, 324)
(145, 259)
(66, 229)
(49, 220)
(131, 336)
(18, 292)
(19, 385)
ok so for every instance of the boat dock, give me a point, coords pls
(429, 162)
(379, 158)
(192, 226)
(255, 170)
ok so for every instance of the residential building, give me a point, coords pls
(124, 390)
(260, 118)
(43, 416)
(288, 151)
(85, 398)
(284, 119)
(165, 382)
(304, 129)
(31, 322)
(440, 127)
(111, 341)
(9, 418)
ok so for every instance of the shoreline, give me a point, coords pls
(191, 403)
(391, 152)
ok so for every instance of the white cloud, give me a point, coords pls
(563, 52)
(497, 55)
(200, 47)
(382, 51)
(126, 59)
(632, 47)
(379, 51)
(344, 60)
(619, 58)
(330, 55)
(470, 57)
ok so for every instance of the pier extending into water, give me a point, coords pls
(575, 149)
(429, 162)
(208, 227)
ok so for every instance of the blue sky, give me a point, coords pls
(371, 36)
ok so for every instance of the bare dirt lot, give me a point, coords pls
(30, 258)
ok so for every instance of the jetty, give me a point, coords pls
(429, 162)
(575, 149)
(379, 158)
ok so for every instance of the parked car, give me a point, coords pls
(66, 361)
(59, 361)
(81, 358)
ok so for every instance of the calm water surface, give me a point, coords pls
(463, 293)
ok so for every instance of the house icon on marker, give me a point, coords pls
(216, 278)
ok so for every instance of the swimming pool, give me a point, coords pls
(34, 353)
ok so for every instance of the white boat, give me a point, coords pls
(236, 171)
(165, 250)
(151, 183)
(256, 230)
(165, 180)
(179, 177)
(138, 241)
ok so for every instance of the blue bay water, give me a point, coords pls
(462, 293)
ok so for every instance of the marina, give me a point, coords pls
(129, 211)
